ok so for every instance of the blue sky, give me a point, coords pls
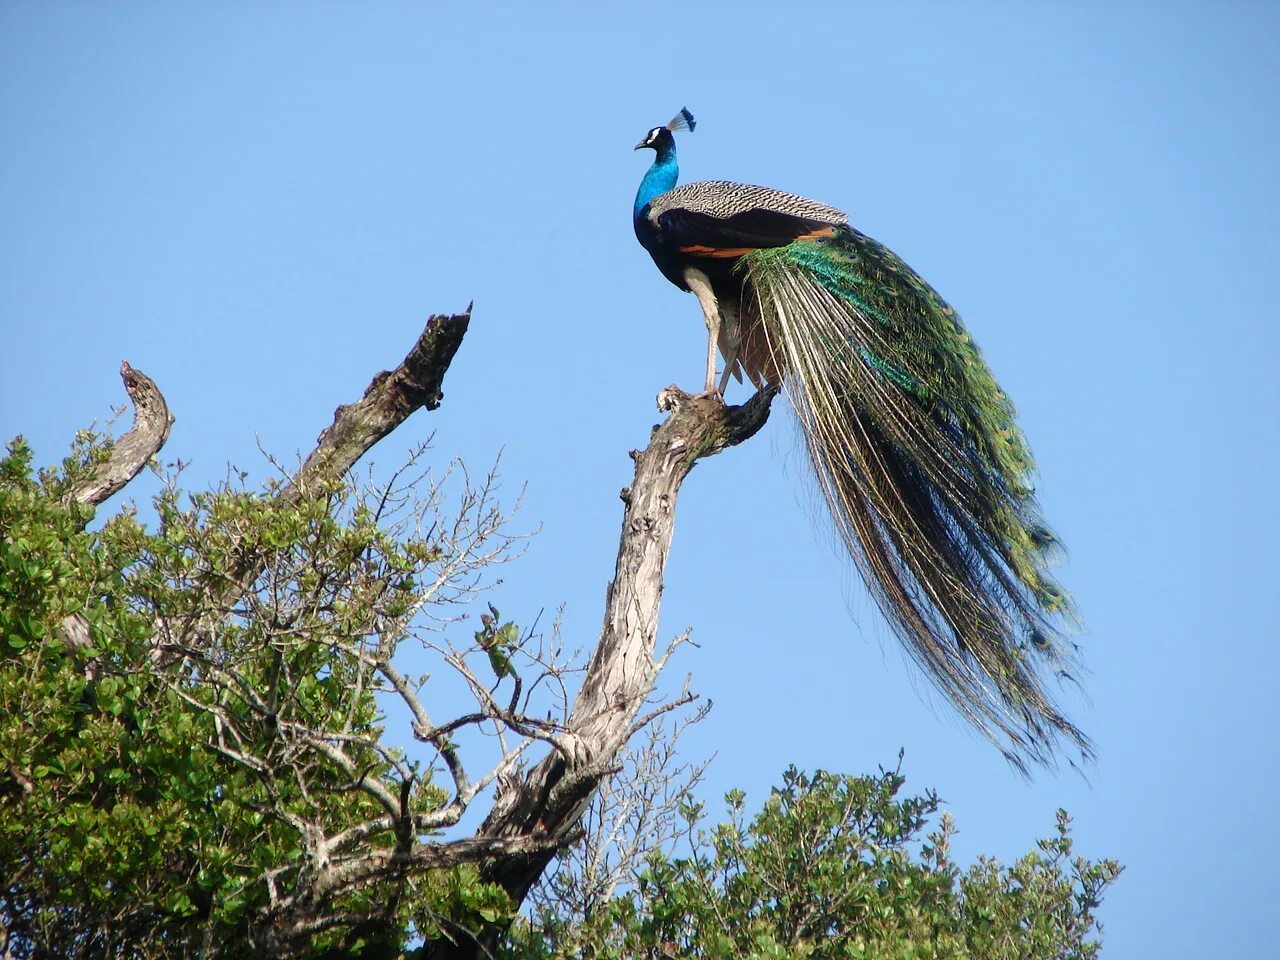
(258, 205)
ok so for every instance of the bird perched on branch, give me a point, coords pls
(913, 443)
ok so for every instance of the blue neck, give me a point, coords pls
(660, 178)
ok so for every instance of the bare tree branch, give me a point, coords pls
(547, 805)
(152, 422)
(388, 401)
(301, 913)
(634, 813)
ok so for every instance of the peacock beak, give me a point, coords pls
(641, 145)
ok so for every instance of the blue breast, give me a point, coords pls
(658, 179)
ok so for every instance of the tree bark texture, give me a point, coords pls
(622, 671)
(152, 422)
(389, 400)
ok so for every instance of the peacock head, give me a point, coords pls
(660, 139)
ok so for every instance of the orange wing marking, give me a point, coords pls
(723, 252)
(697, 250)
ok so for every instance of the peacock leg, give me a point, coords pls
(729, 361)
(701, 287)
(730, 339)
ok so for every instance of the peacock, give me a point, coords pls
(925, 472)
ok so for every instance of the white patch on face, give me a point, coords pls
(653, 134)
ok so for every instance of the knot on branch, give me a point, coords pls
(422, 373)
(703, 425)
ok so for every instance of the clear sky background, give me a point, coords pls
(258, 205)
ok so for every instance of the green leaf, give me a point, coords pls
(500, 663)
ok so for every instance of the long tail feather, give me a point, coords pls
(926, 475)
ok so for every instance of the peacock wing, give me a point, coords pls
(716, 218)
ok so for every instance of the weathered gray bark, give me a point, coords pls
(389, 400)
(549, 802)
(152, 422)
(534, 817)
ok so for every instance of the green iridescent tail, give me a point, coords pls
(927, 477)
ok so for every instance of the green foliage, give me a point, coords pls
(190, 715)
(834, 868)
(163, 781)
(498, 642)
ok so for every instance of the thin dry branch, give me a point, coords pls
(632, 815)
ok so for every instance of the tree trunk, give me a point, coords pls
(549, 802)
